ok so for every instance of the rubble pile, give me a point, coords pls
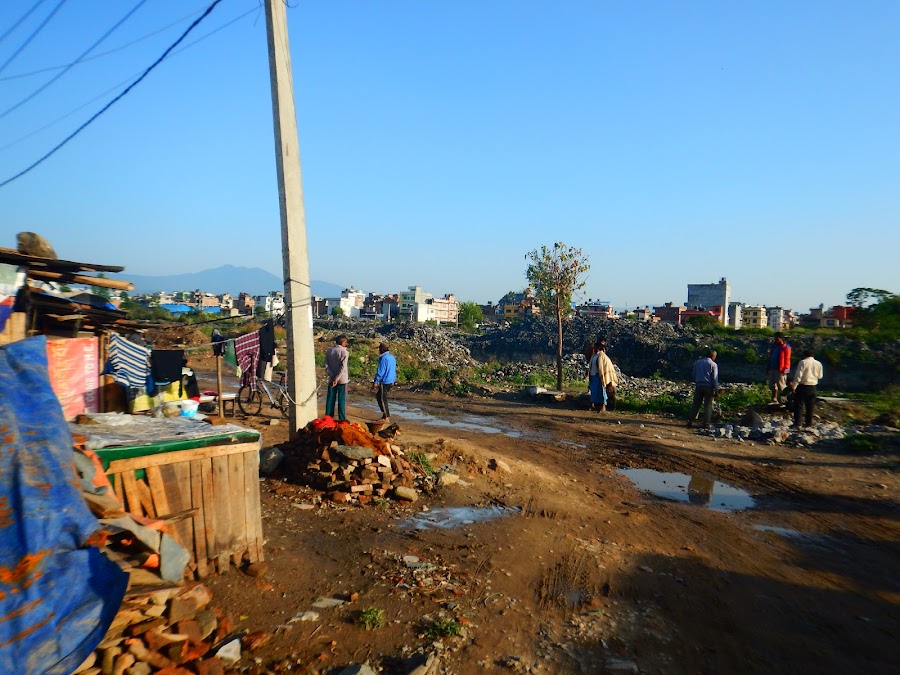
(349, 464)
(169, 631)
(775, 432)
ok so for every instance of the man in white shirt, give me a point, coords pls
(806, 377)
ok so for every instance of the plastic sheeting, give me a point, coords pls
(57, 595)
(117, 429)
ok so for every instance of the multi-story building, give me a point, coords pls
(754, 316)
(417, 306)
(709, 296)
(779, 318)
(272, 303)
(226, 301)
(669, 313)
(643, 314)
(598, 309)
(735, 314)
(838, 316)
(408, 301)
(246, 303)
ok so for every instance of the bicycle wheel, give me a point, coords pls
(250, 402)
(284, 405)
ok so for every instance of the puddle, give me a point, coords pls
(464, 422)
(445, 518)
(697, 490)
(781, 531)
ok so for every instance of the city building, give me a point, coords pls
(644, 314)
(735, 314)
(779, 318)
(709, 296)
(417, 306)
(272, 303)
(226, 301)
(246, 303)
(838, 316)
(598, 309)
(754, 316)
(669, 313)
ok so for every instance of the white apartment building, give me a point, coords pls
(272, 304)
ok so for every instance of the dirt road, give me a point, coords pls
(563, 565)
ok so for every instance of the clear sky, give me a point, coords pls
(675, 142)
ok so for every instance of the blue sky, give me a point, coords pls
(441, 141)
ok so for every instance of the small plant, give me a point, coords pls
(421, 460)
(381, 502)
(863, 444)
(443, 627)
(371, 618)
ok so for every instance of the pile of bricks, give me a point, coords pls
(349, 464)
(168, 631)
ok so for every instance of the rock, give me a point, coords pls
(621, 666)
(410, 560)
(29, 243)
(213, 666)
(327, 603)
(357, 669)
(230, 653)
(305, 616)
(303, 506)
(499, 465)
(255, 640)
(446, 478)
(354, 452)
(340, 497)
(430, 667)
(269, 459)
(384, 460)
(207, 622)
(139, 668)
(405, 493)
(751, 419)
(257, 569)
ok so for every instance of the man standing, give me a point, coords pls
(779, 366)
(608, 379)
(336, 369)
(385, 377)
(706, 385)
(806, 377)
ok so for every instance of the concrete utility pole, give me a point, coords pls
(297, 293)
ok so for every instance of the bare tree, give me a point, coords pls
(556, 274)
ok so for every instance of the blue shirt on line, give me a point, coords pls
(387, 369)
(706, 373)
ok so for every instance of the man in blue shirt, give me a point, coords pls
(706, 385)
(385, 377)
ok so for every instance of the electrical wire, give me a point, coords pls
(33, 35)
(99, 55)
(20, 21)
(68, 138)
(65, 70)
(121, 82)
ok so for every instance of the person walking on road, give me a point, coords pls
(385, 377)
(806, 377)
(608, 379)
(595, 382)
(779, 366)
(336, 358)
(706, 386)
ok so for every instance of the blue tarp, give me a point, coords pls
(57, 595)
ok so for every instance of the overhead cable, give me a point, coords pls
(121, 82)
(18, 23)
(65, 70)
(102, 110)
(99, 55)
(33, 35)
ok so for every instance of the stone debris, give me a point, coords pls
(780, 432)
(349, 465)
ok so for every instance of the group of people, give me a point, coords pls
(336, 369)
(802, 385)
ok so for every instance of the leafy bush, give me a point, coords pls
(421, 460)
(443, 627)
(371, 618)
(864, 444)
(741, 399)
(750, 355)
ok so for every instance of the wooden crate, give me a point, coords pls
(211, 494)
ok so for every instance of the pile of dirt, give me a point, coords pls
(350, 464)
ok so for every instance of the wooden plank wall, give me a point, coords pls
(218, 486)
(14, 330)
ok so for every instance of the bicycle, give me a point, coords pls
(251, 402)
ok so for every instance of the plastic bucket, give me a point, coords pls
(189, 408)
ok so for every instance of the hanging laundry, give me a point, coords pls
(246, 349)
(270, 368)
(229, 356)
(165, 365)
(127, 362)
(12, 278)
(267, 341)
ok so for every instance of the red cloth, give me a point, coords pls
(324, 422)
(246, 350)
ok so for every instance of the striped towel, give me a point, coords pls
(246, 349)
(128, 362)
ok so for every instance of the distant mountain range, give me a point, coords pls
(224, 279)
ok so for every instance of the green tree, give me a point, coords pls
(860, 297)
(884, 315)
(337, 311)
(556, 275)
(102, 291)
(469, 314)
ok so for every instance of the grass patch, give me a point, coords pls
(665, 404)
(421, 460)
(864, 444)
(443, 627)
(371, 618)
(734, 400)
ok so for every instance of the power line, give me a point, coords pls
(33, 35)
(20, 21)
(71, 65)
(127, 79)
(99, 55)
(117, 98)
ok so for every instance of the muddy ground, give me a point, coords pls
(564, 566)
